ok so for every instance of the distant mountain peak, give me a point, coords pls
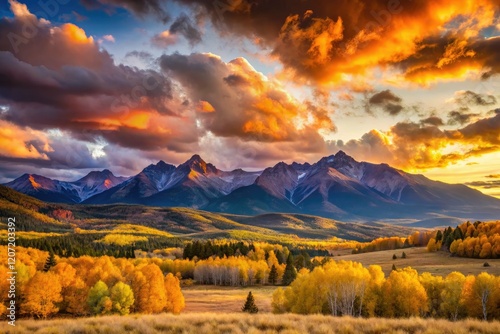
(281, 164)
(195, 158)
(162, 163)
(198, 165)
(105, 173)
(340, 154)
(161, 166)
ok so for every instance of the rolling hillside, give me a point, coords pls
(183, 222)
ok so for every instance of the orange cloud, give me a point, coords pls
(75, 34)
(238, 101)
(205, 106)
(414, 146)
(320, 44)
(134, 119)
(17, 142)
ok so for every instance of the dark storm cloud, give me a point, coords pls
(433, 120)
(184, 26)
(388, 101)
(469, 98)
(461, 117)
(73, 85)
(141, 8)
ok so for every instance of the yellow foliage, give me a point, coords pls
(175, 298)
(122, 239)
(404, 295)
(149, 289)
(42, 294)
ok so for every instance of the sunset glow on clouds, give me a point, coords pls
(250, 83)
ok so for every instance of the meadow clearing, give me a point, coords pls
(217, 299)
(436, 263)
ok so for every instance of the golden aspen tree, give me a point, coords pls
(484, 287)
(485, 251)
(98, 298)
(452, 296)
(373, 296)
(454, 246)
(495, 299)
(41, 295)
(432, 246)
(279, 301)
(471, 302)
(396, 291)
(122, 298)
(4, 283)
(75, 297)
(23, 276)
(4, 286)
(433, 286)
(309, 292)
(103, 269)
(149, 289)
(175, 298)
(3, 309)
(66, 275)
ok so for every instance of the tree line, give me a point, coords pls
(47, 285)
(80, 244)
(416, 239)
(348, 288)
(477, 240)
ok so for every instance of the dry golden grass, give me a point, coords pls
(437, 263)
(218, 299)
(238, 323)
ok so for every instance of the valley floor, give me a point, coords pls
(436, 263)
(238, 323)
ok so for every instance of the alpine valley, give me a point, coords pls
(336, 187)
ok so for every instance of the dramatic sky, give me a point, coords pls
(119, 84)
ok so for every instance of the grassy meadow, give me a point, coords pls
(217, 299)
(436, 263)
(238, 323)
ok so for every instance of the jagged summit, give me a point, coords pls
(335, 186)
(197, 164)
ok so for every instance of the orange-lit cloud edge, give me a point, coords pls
(266, 120)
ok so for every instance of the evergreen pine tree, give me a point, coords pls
(290, 271)
(273, 275)
(394, 257)
(250, 306)
(406, 243)
(279, 256)
(449, 240)
(393, 267)
(403, 256)
(50, 262)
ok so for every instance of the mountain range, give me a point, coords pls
(57, 191)
(336, 186)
